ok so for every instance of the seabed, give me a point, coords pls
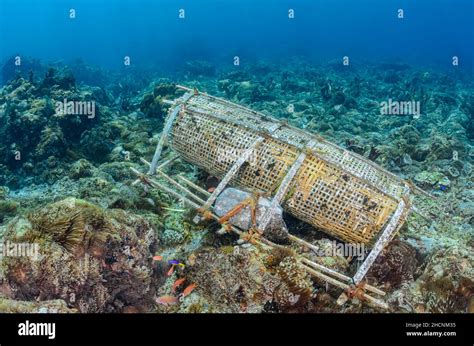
(114, 235)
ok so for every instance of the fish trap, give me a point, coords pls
(339, 192)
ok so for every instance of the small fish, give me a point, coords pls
(178, 283)
(188, 290)
(173, 262)
(211, 189)
(170, 272)
(157, 258)
(167, 300)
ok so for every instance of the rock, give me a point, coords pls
(406, 160)
(230, 197)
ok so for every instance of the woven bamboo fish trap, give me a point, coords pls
(336, 190)
(339, 192)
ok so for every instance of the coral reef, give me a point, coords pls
(152, 104)
(445, 285)
(44, 307)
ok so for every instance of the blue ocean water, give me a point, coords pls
(152, 34)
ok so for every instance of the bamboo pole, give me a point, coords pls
(161, 141)
(339, 275)
(191, 184)
(148, 181)
(161, 166)
(370, 299)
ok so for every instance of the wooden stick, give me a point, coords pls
(156, 184)
(161, 166)
(191, 184)
(339, 275)
(172, 181)
(302, 242)
(370, 299)
(161, 142)
(327, 270)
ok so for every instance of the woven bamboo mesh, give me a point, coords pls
(335, 190)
